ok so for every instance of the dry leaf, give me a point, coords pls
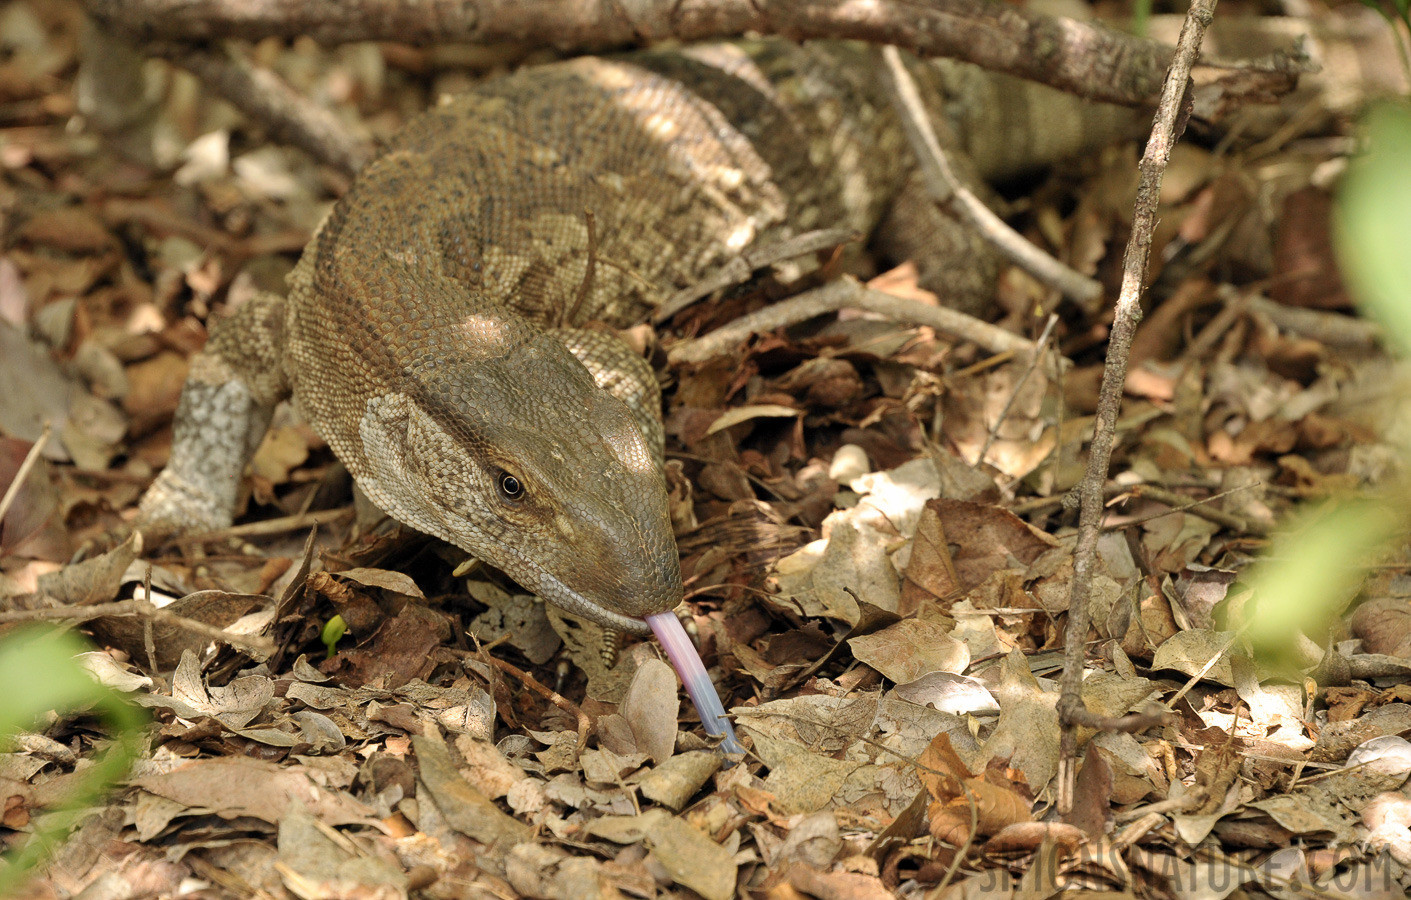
(910, 649)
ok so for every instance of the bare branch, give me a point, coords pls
(948, 189)
(1172, 109)
(144, 609)
(266, 98)
(1078, 57)
(847, 293)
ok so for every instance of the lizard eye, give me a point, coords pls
(511, 488)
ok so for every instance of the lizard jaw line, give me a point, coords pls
(565, 597)
(561, 595)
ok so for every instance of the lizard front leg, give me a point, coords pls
(225, 407)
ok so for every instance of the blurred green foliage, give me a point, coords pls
(1319, 561)
(41, 675)
(1374, 222)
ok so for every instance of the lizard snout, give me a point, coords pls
(624, 560)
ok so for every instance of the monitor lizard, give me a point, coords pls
(432, 330)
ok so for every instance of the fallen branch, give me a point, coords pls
(847, 293)
(143, 609)
(267, 527)
(263, 96)
(951, 193)
(1332, 328)
(1079, 57)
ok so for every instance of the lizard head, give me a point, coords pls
(509, 450)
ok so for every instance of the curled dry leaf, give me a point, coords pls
(739, 414)
(1027, 836)
(948, 692)
(674, 782)
(962, 800)
(1384, 626)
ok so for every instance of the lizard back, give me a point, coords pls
(682, 160)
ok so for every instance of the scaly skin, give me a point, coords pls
(424, 335)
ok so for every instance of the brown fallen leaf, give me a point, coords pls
(75, 229)
(837, 885)
(651, 708)
(1306, 269)
(33, 527)
(241, 786)
(465, 808)
(216, 608)
(910, 649)
(674, 782)
(962, 800)
(1384, 626)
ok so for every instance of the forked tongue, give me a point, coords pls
(687, 663)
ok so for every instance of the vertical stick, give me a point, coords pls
(1169, 115)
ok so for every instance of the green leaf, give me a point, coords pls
(41, 674)
(333, 631)
(1312, 572)
(1373, 219)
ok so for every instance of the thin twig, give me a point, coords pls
(940, 889)
(847, 293)
(1018, 385)
(149, 638)
(1320, 776)
(144, 609)
(1072, 711)
(952, 194)
(529, 681)
(1198, 508)
(268, 527)
(1206, 339)
(739, 269)
(1205, 669)
(30, 460)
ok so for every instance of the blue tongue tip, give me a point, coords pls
(687, 663)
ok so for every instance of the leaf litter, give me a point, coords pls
(876, 549)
